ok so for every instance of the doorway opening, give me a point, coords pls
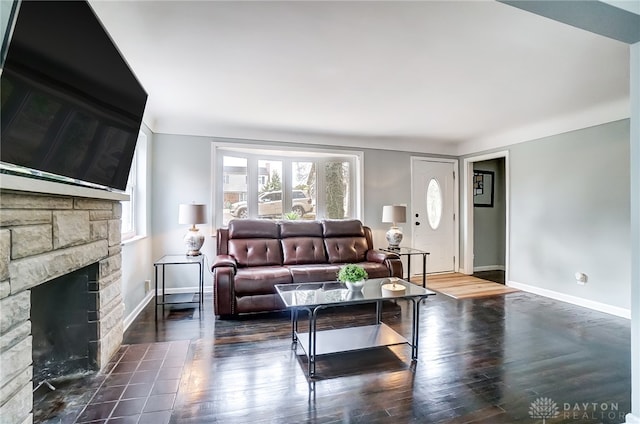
(486, 216)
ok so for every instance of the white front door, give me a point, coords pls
(433, 212)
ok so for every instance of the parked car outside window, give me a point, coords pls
(270, 205)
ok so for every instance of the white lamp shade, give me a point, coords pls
(192, 214)
(394, 213)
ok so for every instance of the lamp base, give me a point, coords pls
(193, 240)
(394, 237)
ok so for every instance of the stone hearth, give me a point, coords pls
(43, 237)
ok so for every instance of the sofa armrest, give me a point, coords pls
(224, 297)
(379, 256)
(224, 261)
(394, 264)
(391, 260)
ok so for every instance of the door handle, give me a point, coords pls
(417, 223)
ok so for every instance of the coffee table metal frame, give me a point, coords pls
(317, 296)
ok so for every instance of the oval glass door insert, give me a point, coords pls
(434, 203)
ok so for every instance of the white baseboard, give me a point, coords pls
(632, 419)
(489, 268)
(574, 300)
(136, 311)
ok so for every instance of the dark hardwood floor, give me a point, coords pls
(481, 361)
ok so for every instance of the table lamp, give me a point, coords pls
(394, 214)
(192, 214)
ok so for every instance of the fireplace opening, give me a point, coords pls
(63, 326)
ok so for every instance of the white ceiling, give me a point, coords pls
(433, 76)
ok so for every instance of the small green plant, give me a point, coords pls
(352, 273)
(292, 216)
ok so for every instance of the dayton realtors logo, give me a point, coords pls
(546, 409)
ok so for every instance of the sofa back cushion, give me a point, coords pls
(300, 229)
(303, 250)
(345, 241)
(342, 228)
(255, 252)
(302, 242)
(254, 242)
(253, 228)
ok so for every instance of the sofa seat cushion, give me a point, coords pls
(260, 280)
(313, 273)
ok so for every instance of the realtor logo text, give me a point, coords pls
(592, 410)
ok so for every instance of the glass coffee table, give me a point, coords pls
(313, 297)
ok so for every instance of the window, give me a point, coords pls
(434, 204)
(134, 210)
(288, 184)
(234, 176)
(128, 207)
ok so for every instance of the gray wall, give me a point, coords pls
(569, 209)
(387, 181)
(489, 224)
(181, 172)
(569, 212)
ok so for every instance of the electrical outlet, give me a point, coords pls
(147, 286)
(581, 278)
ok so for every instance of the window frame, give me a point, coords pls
(256, 152)
(137, 189)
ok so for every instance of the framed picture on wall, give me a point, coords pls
(483, 188)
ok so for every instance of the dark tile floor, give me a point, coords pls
(139, 386)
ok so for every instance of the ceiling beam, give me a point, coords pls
(594, 16)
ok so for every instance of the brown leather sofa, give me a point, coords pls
(255, 254)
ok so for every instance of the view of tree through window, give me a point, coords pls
(337, 189)
(257, 186)
(303, 194)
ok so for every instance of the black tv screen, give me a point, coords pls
(70, 104)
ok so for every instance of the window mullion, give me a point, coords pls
(287, 185)
(321, 195)
(252, 186)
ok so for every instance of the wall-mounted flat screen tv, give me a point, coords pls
(70, 105)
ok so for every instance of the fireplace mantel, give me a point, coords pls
(33, 185)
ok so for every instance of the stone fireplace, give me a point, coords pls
(42, 238)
